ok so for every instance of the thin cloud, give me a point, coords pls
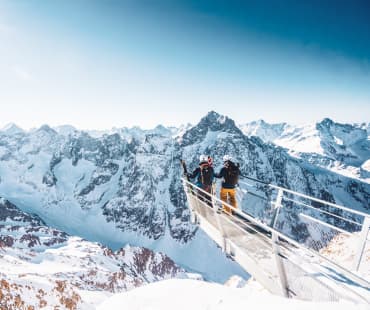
(22, 73)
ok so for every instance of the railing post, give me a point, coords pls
(280, 266)
(275, 246)
(277, 207)
(362, 242)
(217, 213)
(188, 191)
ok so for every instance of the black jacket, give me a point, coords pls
(197, 174)
(227, 182)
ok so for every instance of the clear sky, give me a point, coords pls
(99, 64)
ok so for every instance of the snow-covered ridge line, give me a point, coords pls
(135, 131)
(341, 148)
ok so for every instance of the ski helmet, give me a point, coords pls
(203, 158)
(227, 158)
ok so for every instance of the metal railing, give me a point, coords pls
(329, 221)
(277, 235)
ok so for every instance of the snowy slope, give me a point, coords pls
(41, 266)
(343, 248)
(198, 295)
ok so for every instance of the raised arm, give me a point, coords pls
(194, 174)
(220, 175)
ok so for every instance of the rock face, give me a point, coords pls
(44, 267)
(133, 182)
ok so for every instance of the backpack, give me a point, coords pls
(232, 174)
(210, 161)
(206, 175)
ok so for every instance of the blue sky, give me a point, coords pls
(99, 64)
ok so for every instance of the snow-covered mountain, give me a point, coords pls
(129, 184)
(342, 148)
(267, 132)
(113, 189)
(65, 130)
(365, 126)
(11, 129)
(45, 267)
(139, 133)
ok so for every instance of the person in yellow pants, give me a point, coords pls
(230, 173)
(228, 195)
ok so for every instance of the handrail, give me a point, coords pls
(307, 197)
(281, 235)
(236, 210)
(243, 214)
(253, 179)
(365, 225)
(323, 211)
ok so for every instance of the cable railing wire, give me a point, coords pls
(322, 211)
(306, 196)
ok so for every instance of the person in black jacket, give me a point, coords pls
(204, 175)
(230, 173)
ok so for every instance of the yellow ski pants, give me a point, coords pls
(228, 195)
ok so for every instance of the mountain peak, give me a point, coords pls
(211, 122)
(12, 128)
(213, 116)
(65, 130)
(47, 129)
(326, 122)
(214, 119)
(161, 130)
(261, 122)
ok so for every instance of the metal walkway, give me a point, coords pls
(283, 240)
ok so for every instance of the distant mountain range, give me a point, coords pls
(342, 148)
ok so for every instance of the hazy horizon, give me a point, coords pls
(193, 123)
